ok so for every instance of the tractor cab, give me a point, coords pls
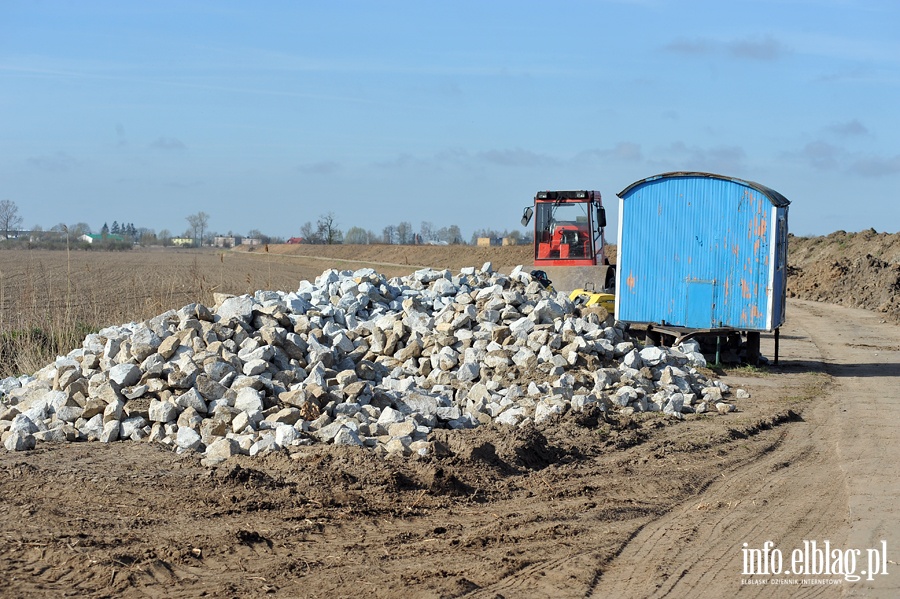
(568, 228)
(569, 243)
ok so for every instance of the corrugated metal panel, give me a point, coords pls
(776, 198)
(696, 251)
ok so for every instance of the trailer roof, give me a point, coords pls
(776, 198)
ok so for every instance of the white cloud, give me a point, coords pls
(875, 166)
(325, 167)
(168, 143)
(55, 163)
(517, 157)
(765, 49)
(849, 129)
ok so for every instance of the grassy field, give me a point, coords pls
(49, 300)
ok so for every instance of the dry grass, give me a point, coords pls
(49, 300)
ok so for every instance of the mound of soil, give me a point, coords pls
(858, 270)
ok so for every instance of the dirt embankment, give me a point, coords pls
(858, 270)
(453, 257)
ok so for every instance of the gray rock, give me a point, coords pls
(192, 399)
(23, 425)
(346, 436)
(69, 413)
(55, 435)
(468, 371)
(110, 431)
(129, 426)
(265, 444)
(248, 400)
(240, 307)
(93, 428)
(221, 449)
(144, 342)
(19, 441)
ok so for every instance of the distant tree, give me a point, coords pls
(79, 229)
(9, 217)
(356, 235)
(328, 231)
(452, 235)
(146, 237)
(257, 234)
(404, 233)
(198, 224)
(426, 230)
(515, 236)
(115, 228)
(309, 234)
(164, 237)
(104, 231)
(389, 234)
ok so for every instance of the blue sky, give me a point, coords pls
(266, 115)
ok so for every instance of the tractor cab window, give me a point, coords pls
(563, 230)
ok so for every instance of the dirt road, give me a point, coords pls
(583, 506)
(833, 477)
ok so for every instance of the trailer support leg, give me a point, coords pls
(777, 335)
(753, 347)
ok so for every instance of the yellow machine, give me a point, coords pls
(587, 298)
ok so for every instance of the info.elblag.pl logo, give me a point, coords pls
(815, 559)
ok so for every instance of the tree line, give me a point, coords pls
(326, 230)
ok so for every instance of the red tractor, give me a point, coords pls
(569, 239)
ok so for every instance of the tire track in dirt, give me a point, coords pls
(822, 483)
(863, 355)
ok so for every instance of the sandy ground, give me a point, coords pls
(581, 507)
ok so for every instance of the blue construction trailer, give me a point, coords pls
(700, 253)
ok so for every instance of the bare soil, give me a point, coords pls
(584, 506)
(859, 270)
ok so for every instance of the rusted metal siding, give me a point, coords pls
(699, 250)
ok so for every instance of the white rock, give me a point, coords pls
(162, 411)
(187, 438)
(653, 356)
(248, 400)
(286, 434)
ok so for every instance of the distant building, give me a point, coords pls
(101, 238)
(183, 241)
(251, 241)
(226, 241)
(296, 240)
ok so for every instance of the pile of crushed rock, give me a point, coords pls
(353, 359)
